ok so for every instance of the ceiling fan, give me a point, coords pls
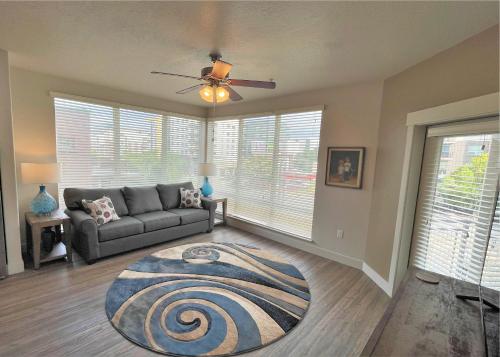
(216, 86)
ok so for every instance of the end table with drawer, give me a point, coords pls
(34, 228)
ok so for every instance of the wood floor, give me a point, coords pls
(59, 309)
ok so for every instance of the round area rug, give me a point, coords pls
(207, 299)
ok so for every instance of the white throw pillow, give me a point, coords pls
(101, 210)
(190, 198)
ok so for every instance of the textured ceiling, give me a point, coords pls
(301, 45)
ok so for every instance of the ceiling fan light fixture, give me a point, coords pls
(216, 84)
(207, 94)
(222, 94)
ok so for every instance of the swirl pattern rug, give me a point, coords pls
(207, 299)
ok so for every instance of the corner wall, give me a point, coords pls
(8, 170)
(469, 69)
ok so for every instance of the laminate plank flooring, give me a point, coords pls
(59, 309)
(429, 320)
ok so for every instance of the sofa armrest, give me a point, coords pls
(85, 235)
(211, 206)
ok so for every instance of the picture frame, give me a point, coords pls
(344, 167)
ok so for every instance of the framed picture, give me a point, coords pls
(344, 167)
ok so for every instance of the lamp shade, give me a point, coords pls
(207, 94)
(39, 173)
(206, 169)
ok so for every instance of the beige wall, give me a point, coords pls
(34, 126)
(351, 118)
(466, 70)
(7, 164)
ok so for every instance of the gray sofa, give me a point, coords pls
(148, 215)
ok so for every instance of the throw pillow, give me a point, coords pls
(101, 210)
(190, 198)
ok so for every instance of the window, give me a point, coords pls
(100, 145)
(455, 205)
(491, 274)
(267, 168)
(445, 151)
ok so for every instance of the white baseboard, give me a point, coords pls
(377, 279)
(311, 247)
(302, 244)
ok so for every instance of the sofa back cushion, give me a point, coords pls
(170, 195)
(142, 199)
(73, 198)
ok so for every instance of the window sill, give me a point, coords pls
(270, 229)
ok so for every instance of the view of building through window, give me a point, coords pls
(107, 146)
(267, 167)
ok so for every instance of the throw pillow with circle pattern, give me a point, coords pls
(190, 198)
(101, 210)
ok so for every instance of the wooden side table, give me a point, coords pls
(222, 200)
(34, 227)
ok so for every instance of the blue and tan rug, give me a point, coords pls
(207, 299)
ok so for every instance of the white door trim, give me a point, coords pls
(478, 107)
(483, 106)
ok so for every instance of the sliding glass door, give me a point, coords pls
(491, 274)
(457, 200)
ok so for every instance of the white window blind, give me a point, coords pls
(455, 205)
(103, 146)
(491, 274)
(267, 168)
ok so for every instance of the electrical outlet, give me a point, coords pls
(340, 233)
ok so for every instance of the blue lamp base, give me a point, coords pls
(43, 204)
(207, 190)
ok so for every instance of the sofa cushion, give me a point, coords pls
(158, 220)
(191, 215)
(170, 195)
(126, 226)
(73, 198)
(142, 199)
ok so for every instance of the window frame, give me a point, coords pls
(119, 107)
(276, 155)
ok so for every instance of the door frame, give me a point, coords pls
(417, 123)
(3, 250)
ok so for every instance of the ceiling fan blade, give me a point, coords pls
(189, 89)
(176, 75)
(220, 69)
(233, 95)
(253, 84)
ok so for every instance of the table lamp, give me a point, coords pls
(206, 169)
(43, 204)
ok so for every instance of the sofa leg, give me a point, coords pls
(210, 230)
(92, 261)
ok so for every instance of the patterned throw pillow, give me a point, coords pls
(190, 198)
(101, 210)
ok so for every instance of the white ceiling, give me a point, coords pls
(301, 45)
